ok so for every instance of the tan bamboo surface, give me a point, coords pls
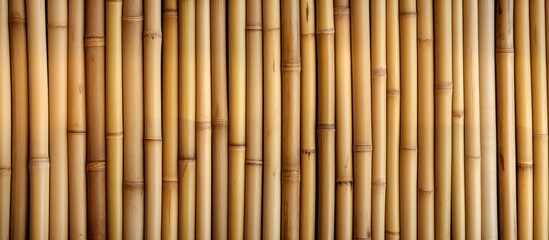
(443, 119)
(237, 116)
(426, 121)
(308, 119)
(505, 83)
(220, 120)
(344, 122)
(254, 119)
(272, 139)
(523, 94)
(169, 121)
(362, 118)
(5, 121)
(392, 209)
(540, 125)
(458, 124)
(187, 118)
(39, 161)
(152, 60)
(409, 120)
(20, 122)
(203, 122)
(488, 131)
(114, 123)
(57, 49)
(77, 121)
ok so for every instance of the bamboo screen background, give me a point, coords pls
(274, 119)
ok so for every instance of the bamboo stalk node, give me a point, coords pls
(37, 163)
(113, 2)
(203, 125)
(269, 29)
(114, 134)
(426, 41)
(133, 185)
(5, 170)
(254, 27)
(187, 160)
(170, 182)
(57, 25)
(94, 42)
(362, 148)
(326, 127)
(96, 166)
(426, 191)
(152, 139)
(220, 122)
(254, 161)
(541, 135)
(341, 11)
(152, 35)
(17, 19)
(525, 166)
(408, 15)
(380, 182)
(76, 132)
(328, 31)
(169, 13)
(393, 92)
(308, 150)
(237, 147)
(308, 35)
(379, 71)
(344, 181)
(408, 149)
(443, 86)
(138, 18)
(458, 113)
(505, 50)
(291, 174)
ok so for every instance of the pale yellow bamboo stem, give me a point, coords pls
(5, 122)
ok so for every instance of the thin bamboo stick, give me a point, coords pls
(443, 119)
(488, 134)
(426, 119)
(20, 122)
(219, 120)
(308, 120)
(408, 125)
(203, 124)
(505, 84)
(39, 162)
(523, 94)
(152, 39)
(362, 118)
(326, 118)
(170, 113)
(344, 135)
(77, 121)
(392, 212)
(5, 121)
(254, 119)
(57, 17)
(272, 139)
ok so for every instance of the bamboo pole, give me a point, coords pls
(254, 119)
(523, 91)
(5, 121)
(505, 84)
(488, 134)
(57, 42)
(443, 119)
(344, 135)
(95, 114)
(114, 123)
(203, 124)
(152, 40)
(308, 119)
(77, 121)
(272, 139)
(326, 118)
(170, 113)
(362, 118)
(408, 125)
(392, 212)
(39, 162)
(219, 120)
(20, 122)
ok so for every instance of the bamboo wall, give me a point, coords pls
(274, 119)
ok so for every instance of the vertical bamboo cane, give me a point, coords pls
(506, 119)
(203, 124)
(523, 91)
(169, 121)
(488, 144)
(326, 118)
(408, 125)
(152, 39)
(219, 120)
(77, 121)
(308, 120)
(39, 162)
(57, 17)
(20, 121)
(426, 118)
(114, 123)
(540, 131)
(254, 119)
(187, 118)
(95, 113)
(443, 119)
(458, 129)
(392, 212)
(362, 118)
(5, 121)
(344, 121)
(272, 120)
